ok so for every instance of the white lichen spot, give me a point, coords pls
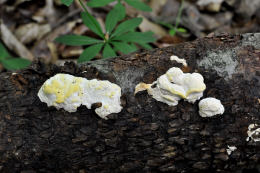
(178, 60)
(210, 106)
(175, 85)
(69, 92)
(230, 149)
(253, 133)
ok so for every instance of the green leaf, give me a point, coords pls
(127, 26)
(98, 3)
(138, 5)
(167, 25)
(67, 2)
(138, 37)
(108, 51)
(15, 63)
(121, 11)
(90, 52)
(124, 47)
(146, 46)
(182, 30)
(114, 16)
(92, 24)
(3, 52)
(172, 32)
(76, 40)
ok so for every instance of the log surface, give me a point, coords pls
(146, 136)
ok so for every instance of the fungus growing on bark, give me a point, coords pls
(179, 60)
(253, 133)
(230, 149)
(210, 106)
(175, 85)
(69, 92)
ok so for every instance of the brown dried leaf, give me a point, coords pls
(31, 31)
(13, 43)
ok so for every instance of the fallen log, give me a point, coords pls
(147, 135)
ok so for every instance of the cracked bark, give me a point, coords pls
(146, 136)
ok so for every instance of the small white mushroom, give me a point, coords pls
(179, 60)
(230, 149)
(69, 92)
(253, 133)
(210, 106)
(174, 86)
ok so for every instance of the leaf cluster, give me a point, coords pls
(117, 37)
(11, 63)
(99, 3)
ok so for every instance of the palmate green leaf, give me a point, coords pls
(67, 2)
(98, 3)
(108, 52)
(15, 63)
(76, 40)
(90, 52)
(92, 24)
(127, 26)
(114, 16)
(3, 52)
(124, 47)
(137, 37)
(138, 5)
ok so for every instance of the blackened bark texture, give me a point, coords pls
(146, 136)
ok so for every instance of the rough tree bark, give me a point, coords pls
(146, 136)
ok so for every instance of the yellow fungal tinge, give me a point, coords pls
(69, 92)
(62, 89)
(175, 85)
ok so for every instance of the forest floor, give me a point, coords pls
(35, 24)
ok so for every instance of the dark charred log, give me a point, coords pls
(146, 136)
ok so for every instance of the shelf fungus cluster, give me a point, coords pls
(174, 86)
(69, 92)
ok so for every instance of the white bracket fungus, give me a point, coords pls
(253, 133)
(175, 85)
(210, 106)
(230, 149)
(69, 92)
(179, 60)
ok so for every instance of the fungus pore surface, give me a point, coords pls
(69, 92)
